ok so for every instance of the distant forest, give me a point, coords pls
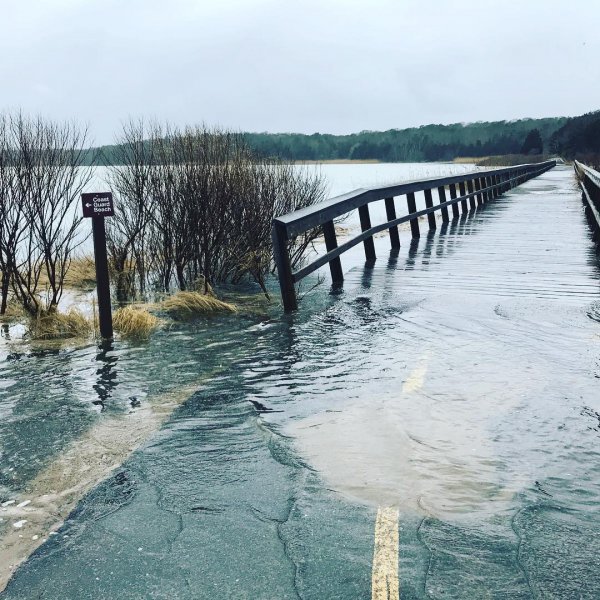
(568, 137)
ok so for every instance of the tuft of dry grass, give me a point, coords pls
(190, 304)
(135, 321)
(57, 326)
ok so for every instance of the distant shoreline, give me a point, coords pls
(339, 161)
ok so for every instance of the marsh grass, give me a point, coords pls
(184, 305)
(14, 312)
(464, 160)
(509, 160)
(81, 273)
(135, 321)
(57, 326)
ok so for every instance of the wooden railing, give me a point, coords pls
(589, 182)
(473, 188)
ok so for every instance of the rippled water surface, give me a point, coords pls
(456, 380)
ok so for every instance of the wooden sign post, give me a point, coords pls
(97, 206)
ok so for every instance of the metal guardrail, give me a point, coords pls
(589, 182)
(476, 188)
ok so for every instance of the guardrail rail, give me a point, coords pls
(589, 182)
(475, 188)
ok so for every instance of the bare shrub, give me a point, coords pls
(195, 205)
(43, 176)
(14, 216)
(56, 326)
(126, 231)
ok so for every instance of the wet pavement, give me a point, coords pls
(448, 394)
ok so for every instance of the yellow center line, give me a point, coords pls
(385, 584)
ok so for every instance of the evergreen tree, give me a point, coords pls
(533, 143)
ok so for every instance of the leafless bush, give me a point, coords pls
(130, 181)
(13, 214)
(195, 205)
(42, 177)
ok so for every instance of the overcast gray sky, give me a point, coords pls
(333, 66)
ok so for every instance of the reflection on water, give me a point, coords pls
(107, 374)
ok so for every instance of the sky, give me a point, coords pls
(329, 66)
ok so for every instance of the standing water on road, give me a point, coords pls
(452, 388)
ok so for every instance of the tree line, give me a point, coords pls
(579, 137)
(568, 137)
(426, 143)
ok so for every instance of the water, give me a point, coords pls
(338, 178)
(456, 381)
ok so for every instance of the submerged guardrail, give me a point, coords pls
(589, 182)
(476, 188)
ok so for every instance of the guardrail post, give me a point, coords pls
(472, 201)
(444, 209)
(365, 224)
(429, 204)
(463, 192)
(335, 264)
(390, 212)
(496, 180)
(453, 195)
(284, 268)
(102, 278)
(479, 196)
(412, 208)
(484, 185)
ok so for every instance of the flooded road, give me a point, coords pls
(441, 413)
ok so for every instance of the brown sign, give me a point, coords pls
(99, 204)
